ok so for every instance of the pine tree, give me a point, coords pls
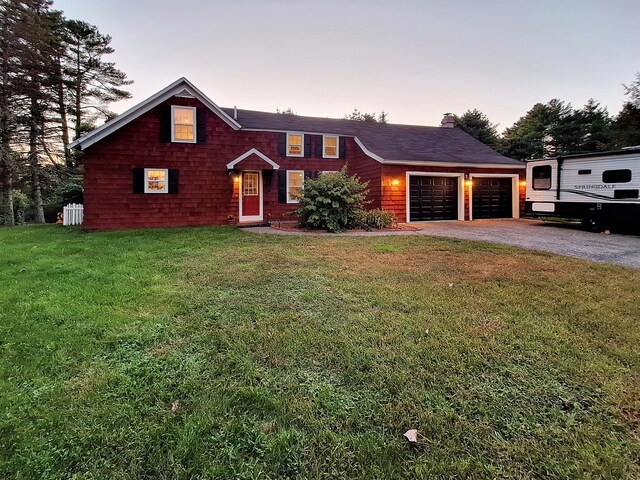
(478, 125)
(92, 82)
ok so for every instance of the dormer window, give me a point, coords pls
(295, 142)
(183, 124)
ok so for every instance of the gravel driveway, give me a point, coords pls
(563, 239)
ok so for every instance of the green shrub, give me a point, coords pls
(375, 219)
(20, 205)
(331, 202)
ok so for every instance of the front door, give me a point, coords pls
(250, 197)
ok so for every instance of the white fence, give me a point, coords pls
(73, 214)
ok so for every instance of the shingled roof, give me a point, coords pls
(388, 142)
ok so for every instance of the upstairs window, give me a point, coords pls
(541, 177)
(156, 180)
(330, 146)
(183, 124)
(295, 144)
(616, 176)
(295, 184)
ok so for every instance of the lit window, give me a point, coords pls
(183, 121)
(156, 180)
(295, 184)
(541, 177)
(330, 146)
(250, 184)
(295, 144)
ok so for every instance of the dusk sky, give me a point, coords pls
(414, 59)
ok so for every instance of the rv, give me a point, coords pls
(600, 189)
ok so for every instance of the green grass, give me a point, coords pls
(309, 357)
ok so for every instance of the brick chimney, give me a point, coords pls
(448, 121)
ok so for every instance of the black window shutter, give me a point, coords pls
(316, 174)
(318, 148)
(308, 174)
(173, 181)
(282, 186)
(343, 147)
(282, 144)
(138, 180)
(165, 124)
(307, 145)
(201, 125)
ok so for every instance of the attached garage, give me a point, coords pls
(492, 198)
(433, 197)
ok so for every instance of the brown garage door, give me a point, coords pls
(492, 198)
(433, 198)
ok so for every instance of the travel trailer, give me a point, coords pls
(601, 189)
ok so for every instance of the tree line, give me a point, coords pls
(556, 128)
(55, 85)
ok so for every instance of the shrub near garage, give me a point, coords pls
(331, 202)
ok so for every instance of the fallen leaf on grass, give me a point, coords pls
(411, 435)
(175, 405)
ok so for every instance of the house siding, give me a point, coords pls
(207, 193)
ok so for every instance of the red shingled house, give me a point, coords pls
(179, 159)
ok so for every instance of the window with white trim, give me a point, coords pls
(329, 146)
(295, 144)
(156, 180)
(295, 184)
(183, 124)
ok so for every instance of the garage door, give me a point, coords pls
(492, 198)
(433, 198)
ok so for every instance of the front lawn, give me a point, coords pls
(216, 353)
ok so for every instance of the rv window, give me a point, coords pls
(619, 194)
(584, 172)
(541, 177)
(616, 176)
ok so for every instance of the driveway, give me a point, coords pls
(563, 239)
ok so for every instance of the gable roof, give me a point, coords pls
(253, 151)
(387, 143)
(182, 86)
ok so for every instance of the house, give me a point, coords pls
(179, 159)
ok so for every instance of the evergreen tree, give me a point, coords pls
(367, 117)
(93, 83)
(478, 125)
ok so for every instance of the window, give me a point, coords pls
(584, 172)
(295, 143)
(616, 176)
(295, 184)
(541, 177)
(250, 184)
(330, 146)
(183, 124)
(156, 180)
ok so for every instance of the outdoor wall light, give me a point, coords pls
(523, 183)
(468, 183)
(395, 182)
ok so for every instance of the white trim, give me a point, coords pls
(460, 177)
(253, 151)
(301, 145)
(166, 180)
(294, 171)
(368, 152)
(337, 155)
(250, 218)
(177, 87)
(451, 164)
(173, 123)
(515, 191)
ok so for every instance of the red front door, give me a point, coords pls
(250, 194)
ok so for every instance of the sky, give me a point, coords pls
(413, 59)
